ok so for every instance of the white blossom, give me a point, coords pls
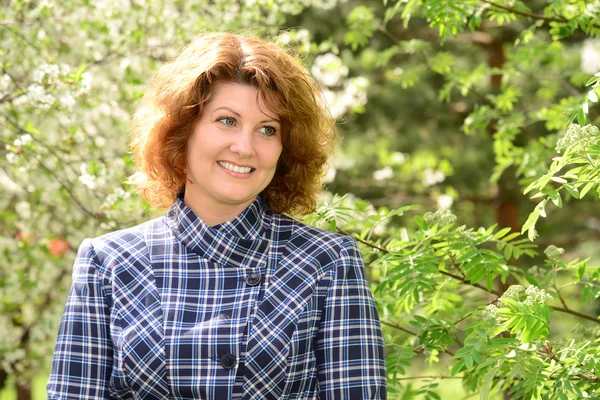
(302, 34)
(37, 95)
(329, 70)
(490, 314)
(87, 179)
(398, 158)
(330, 175)
(49, 72)
(356, 91)
(444, 201)
(578, 137)
(23, 209)
(67, 101)
(284, 37)
(337, 106)
(5, 82)
(590, 56)
(325, 4)
(441, 217)
(22, 140)
(26, 139)
(553, 252)
(536, 295)
(99, 141)
(11, 158)
(85, 83)
(512, 292)
(431, 177)
(383, 174)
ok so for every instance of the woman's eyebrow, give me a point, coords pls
(228, 109)
(239, 115)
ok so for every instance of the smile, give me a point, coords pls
(235, 168)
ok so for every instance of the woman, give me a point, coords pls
(224, 297)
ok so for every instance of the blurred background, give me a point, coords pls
(442, 104)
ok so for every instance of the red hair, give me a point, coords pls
(176, 97)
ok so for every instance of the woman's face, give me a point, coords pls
(232, 152)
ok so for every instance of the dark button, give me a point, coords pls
(228, 361)
(252, 279)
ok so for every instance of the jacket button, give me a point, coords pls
(252, 279)
(228, 361)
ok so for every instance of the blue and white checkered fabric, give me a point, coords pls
(165, 310)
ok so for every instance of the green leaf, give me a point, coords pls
(573, 191)
(500, 234)
(467, 255)
(586, 189)
(581, 118)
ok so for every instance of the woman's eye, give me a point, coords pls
(229, 121)
(268, 130)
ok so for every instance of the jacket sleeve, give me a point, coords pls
(83, 354)
(349, 346)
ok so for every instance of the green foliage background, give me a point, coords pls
(465, 124)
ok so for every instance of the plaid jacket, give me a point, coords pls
(260, 307)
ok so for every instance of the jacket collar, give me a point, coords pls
(239, 242)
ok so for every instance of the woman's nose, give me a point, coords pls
(243, 145)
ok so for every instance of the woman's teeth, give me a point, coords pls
(235, 168)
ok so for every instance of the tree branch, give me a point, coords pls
(577, 314)
(530, 15)
(429, 377)
(400, 328)
(524, 13)
(477, 285)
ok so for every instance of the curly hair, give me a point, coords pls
(174, 101)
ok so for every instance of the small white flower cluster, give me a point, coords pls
(554, 253)
(295, 36)
(490, 314)
(86, 178)
(12, 158)
(352, 96)
(329, 70)
(93, 181)
(536, 272)
(24, 140)
(50, 73)
(36, 95)
(441, 217)
(578, 138)
(383, 174)
(536, 295)
(23, 209)
(444, 201)
(50, 87)
(326, 4)
(512, 293)
(431, 177)
(85, 83)
(5, 83)
(13, 151)
(114, 197)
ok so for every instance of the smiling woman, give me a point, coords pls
(224, 297)
(232, 153)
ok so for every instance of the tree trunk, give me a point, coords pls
(505, 202)
(3, 377)
(23, 389)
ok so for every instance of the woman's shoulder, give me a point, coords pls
(122, 242)
(304, 235)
